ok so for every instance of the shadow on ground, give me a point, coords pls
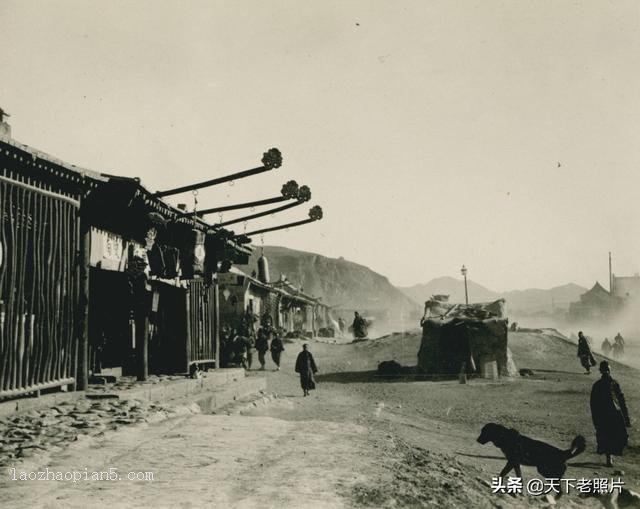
(372, 376)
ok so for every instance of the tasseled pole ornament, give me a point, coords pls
(271, 159)
(303, 195)
(315, 214)
(289, 191)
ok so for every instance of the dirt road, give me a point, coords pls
(357, 441)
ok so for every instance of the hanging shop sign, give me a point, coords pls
(108, 250)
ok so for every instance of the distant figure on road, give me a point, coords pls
(618, 346)
(306, 366)
(359, 326)
(243, 355)
(266, 321)
(584, 353)
(609, 414)
(226, 345)
(262, 345)
(606, 347)
(342, 325)
(276, 349)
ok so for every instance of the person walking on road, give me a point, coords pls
(609, 414)
(359, 326)
(276, 349)
(618, 346)
(584, 353)
(262, 346)
(606, 347)
(306, 367)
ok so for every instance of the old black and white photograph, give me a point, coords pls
(319, 254)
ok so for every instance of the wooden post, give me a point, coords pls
(142, 345)
(216, 320)
(142, 334)
(82, 372)
(187, 324)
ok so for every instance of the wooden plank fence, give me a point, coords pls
(39, 244)
(203, 329)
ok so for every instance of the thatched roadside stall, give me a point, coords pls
(459, 337)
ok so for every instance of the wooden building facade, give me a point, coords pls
(97, 273)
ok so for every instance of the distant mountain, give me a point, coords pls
(450, 286)
(530, 300)
(338, 282)
(535, 299)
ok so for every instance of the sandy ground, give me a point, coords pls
(357, 441)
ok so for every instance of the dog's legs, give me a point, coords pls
(507, 468)
(518, 470)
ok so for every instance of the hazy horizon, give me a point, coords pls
(502, 136)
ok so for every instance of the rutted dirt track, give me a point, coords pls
(357, 441)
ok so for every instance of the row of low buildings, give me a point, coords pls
(287, 307)
(98, 274)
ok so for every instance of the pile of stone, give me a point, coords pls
(35, 432)
(104, 384)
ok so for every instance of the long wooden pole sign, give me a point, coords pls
(271, 159)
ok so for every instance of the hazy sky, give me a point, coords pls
(430, 132)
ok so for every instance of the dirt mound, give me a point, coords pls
(417, 477)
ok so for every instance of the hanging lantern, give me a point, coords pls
(193, 255)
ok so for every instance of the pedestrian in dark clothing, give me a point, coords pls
(306, 366)
(618, 346)
(609, 414)
(242, 346)
(276, 350)
(262, 346)
(226, 346)
(359, 326)
(584, 353)
(249, 345)
(606, 347)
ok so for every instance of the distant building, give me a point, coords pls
(625, 287)
(290, 309)
(595, 304)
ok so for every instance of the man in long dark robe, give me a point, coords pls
(262, 346)
(306, 366)
(584, 353)
(609, 414)
(276, 349)
(359, 326)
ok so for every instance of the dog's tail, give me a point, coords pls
(578, 446)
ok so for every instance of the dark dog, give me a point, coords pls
(520, 450)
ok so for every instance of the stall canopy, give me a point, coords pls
(460, 336)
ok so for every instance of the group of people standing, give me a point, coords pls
(615, 349)
(358, 327)
(609, 411)
(269, 339)
(237, 345)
